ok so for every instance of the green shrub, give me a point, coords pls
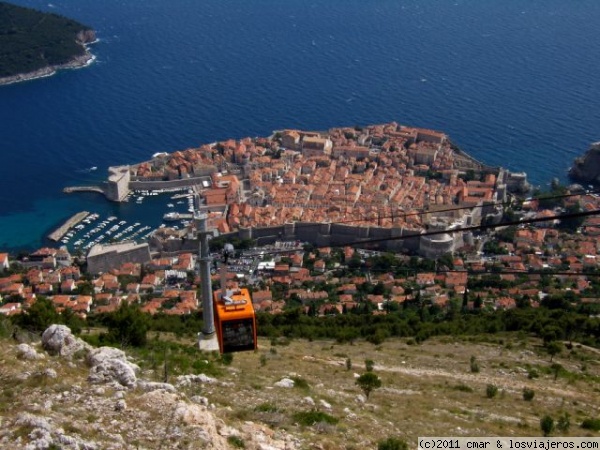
(547, 425)
(369, 365)
(462, 388)
(474, 365)
(491, 391)
(533, 373)
(392, 443)
(309, 418)
(564, 423)
(591, 424)
(301, 383)
(226, 359)
(528, 394)
(266, 407)
(236, 441)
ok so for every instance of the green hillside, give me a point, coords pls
(31, 40)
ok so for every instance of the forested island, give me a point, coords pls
(34, 44)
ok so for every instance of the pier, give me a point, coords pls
(71, 189)
(57, 234)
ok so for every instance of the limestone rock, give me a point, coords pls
(308, 401)
(325, 405)
(120, 405)
(153, 385)
(101, 354)
(199, 400)
(111, 370)
(285, 383)
(28, 353)
(58, 340)
(188, 380)
(586, 168)
(49, 373)
(86, 36)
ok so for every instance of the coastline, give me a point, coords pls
(78, 62)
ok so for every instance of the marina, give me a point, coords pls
(73, 221)
(173, 216)
(84, 230)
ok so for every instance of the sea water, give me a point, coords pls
(513, 82)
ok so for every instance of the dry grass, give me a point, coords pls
(428, 389)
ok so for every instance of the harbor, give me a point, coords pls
(61, 231)
(135, 219)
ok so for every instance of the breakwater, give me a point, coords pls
(57, 234)
(71, 189)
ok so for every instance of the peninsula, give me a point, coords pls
(329, 187)
(34, 44)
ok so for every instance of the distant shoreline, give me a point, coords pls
(77, 62)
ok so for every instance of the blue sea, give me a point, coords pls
(513, 82)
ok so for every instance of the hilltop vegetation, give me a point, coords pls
(32, 40)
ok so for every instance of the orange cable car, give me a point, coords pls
(235, 321)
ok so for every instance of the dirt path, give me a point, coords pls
(511, 382)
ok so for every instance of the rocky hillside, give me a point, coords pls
(62, 393)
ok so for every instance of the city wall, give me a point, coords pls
(318, 234)
(173, 184)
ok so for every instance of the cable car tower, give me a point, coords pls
(228, 312)
(207, 339)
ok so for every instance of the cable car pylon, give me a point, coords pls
(207, 338)
(229, 320)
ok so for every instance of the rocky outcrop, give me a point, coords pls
(86, 36)
(58, 340)
(25, 351)
(110, 365)
(586, 168)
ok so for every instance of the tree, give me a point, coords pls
(553, 348)
(547, 425)
(74, 322)
(556, 368)
(368, 382)
(128, 326)
(478, 302)
(39, 316)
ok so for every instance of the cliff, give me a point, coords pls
(586, 168)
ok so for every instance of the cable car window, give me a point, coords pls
(238, 335)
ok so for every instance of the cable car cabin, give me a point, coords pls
(235, 321)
